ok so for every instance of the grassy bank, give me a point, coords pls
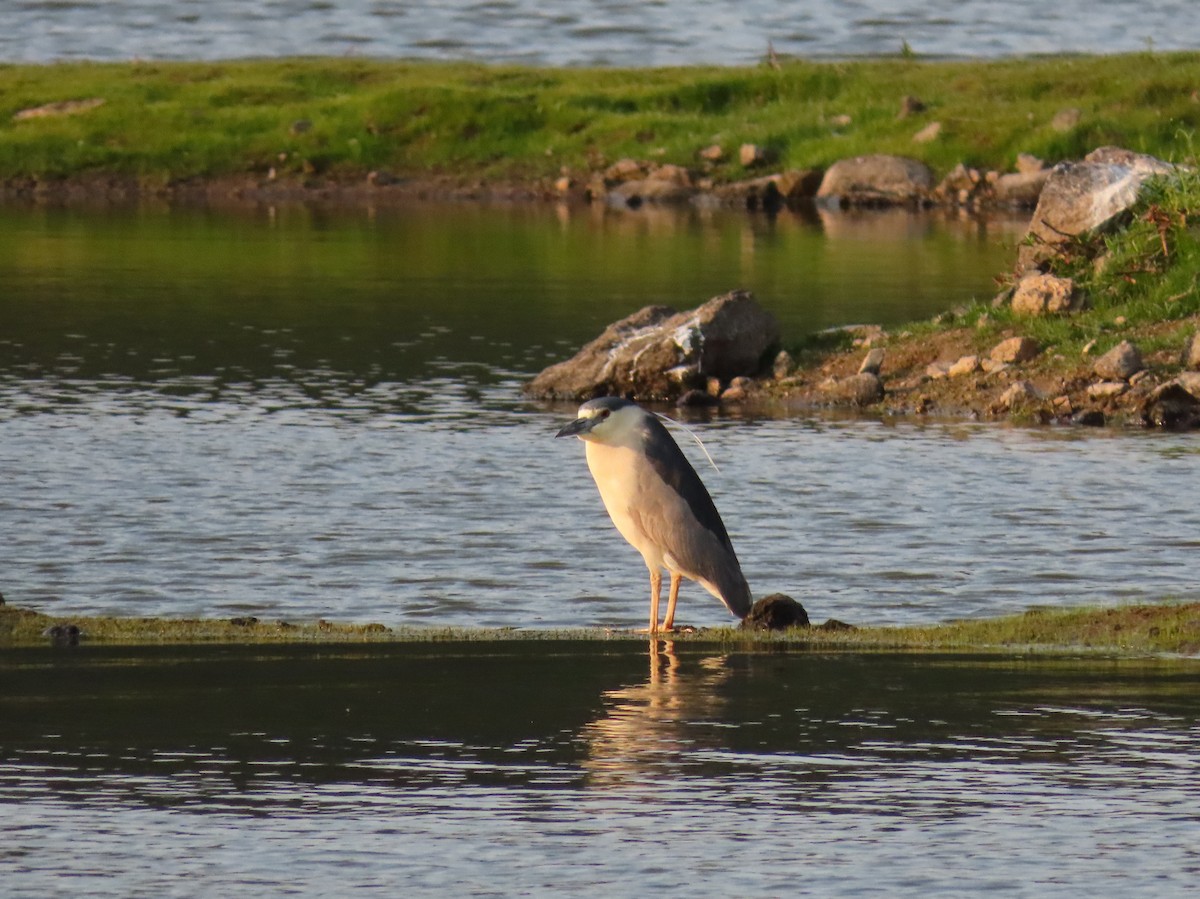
(343, 118)
(1136, 629)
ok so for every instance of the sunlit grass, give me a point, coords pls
(344, 117)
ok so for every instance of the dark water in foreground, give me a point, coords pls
(594, 769)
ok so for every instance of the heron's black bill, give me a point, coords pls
(577, 427)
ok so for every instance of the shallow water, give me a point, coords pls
(598, 769)
(306, 414)
(573, 33)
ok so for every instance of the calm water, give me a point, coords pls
(296, 414)
(301, 415)
(458, 770)
(572, 32)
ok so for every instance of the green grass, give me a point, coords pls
(1133, 288)
(166, 121)
(1137, 629)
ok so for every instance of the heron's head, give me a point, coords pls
(608, 419)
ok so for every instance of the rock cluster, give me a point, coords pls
(711, 354)
(872, 180)
(658, 353)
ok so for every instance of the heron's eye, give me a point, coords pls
(605, 413)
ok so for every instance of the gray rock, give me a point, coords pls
(1084, 196)
(1038, 294)
(660, 353)
(872, 362)
(1019, 188)
(860, 390)
(877, 180)
(1120, 363)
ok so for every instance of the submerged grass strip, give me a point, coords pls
(1134, 629)
(162, 121)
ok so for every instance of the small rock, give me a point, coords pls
(1062, 406)
(750, 155)
(937, 370)
(928, 134)
(877, 180)
(1015, 350)
(1120, 363)
(1103, 390)
(1038, 294)
(861, 389)
(776, 612)
(1019, 393)
(714, 153)
(733, 394)
(841, 120)
(300, 126)
(623, 170)
(872, 362)
(1027, 163)
(783, 365)
(1019, 188)
(910, 106)
(1088, 347)
(967, 365)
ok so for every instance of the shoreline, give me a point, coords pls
(1140, 629)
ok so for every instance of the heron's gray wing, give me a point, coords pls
(697, 541)
(676, 471)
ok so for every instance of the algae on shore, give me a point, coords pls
(1167, 627)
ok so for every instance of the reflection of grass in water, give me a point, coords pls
(1166, 627)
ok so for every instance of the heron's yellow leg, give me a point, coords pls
(672, 596)
(655, 592)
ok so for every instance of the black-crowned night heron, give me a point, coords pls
(659, 504)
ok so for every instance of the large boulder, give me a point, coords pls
(876, 180)
(658, 353)
(1079, 197)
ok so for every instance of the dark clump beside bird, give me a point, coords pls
(659, 504)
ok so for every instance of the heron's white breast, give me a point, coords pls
(618, 476)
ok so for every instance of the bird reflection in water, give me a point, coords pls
(654, 729)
